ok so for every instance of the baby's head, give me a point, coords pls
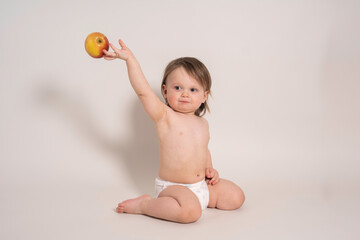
(197, 70)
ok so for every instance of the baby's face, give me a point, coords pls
(183, 93)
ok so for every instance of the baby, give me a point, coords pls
(187, 182)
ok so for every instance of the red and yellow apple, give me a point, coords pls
(95, 43)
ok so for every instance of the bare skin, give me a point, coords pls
(184, 154)
(132, 205)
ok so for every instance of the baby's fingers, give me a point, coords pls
(210, 174)
(207, 173)
(116, 50)
(113, 47)
(108, 58)
(214, 181)
(122, 44)
(109, 55)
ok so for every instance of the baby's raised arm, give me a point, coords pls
(150, 101)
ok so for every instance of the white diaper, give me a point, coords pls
(200, 189)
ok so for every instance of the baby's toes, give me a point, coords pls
(120, 209)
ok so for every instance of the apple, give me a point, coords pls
(95, 43)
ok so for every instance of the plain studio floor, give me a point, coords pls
(88, 213)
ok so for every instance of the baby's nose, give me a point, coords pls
(185, 93)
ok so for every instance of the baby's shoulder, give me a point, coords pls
(204, 121)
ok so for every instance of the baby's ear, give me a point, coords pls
(164, 91)
(206, 94)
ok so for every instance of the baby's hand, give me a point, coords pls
(212, 176)
(122, 53)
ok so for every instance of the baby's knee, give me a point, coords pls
(238, 198)
(189, 214)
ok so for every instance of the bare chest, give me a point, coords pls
(185, 131)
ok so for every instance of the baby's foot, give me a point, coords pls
(132, 205)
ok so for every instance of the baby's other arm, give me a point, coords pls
(154, 107)
(210, 173)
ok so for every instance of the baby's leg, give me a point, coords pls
(133, 205)
(175, 203)
(225, 195)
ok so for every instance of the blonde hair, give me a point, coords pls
(197, 70)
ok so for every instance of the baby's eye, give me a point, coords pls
(193, 90)
(177, 88)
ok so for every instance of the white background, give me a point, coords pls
(284, 122)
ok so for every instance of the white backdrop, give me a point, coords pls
(285, 110)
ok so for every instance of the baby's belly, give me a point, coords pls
(182, 174)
